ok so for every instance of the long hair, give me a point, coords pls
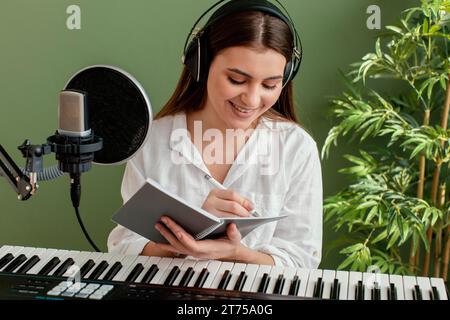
(252, 29)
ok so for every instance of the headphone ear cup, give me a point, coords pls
(288, 71)
(191, 59)
(197, 59)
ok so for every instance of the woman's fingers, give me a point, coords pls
(233, 202)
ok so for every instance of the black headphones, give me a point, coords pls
(196, 56)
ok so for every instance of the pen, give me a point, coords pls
(220, 186)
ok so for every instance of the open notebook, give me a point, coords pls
(145, 208)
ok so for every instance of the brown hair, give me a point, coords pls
(248, 28)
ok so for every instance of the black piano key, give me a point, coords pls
(63, 268)
(150, 274)
(15, 263)
(435, 294)
(359, 291)
(295, 286)
(264, 283)
(29, 264)
(279, 285)
(49, 266)
(376, 292)
(97, 272)
(87, 266)
(335, 290)
(6, 259)
(201, 278)
(417, 293)
(116, 267)
(135, 273)
(318, 289)
(172, 276)
(392, 292)
(188, 274)
(225, 280)
(240, 281)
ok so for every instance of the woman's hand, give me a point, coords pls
(227, 203)
(181, 242)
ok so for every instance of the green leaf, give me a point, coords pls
(378, 48)
(347, 262)
(395, 29)
(379, 237)
(353, 248)
(425, 26)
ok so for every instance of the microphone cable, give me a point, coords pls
(75, 195)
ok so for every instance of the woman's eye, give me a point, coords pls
(269, 87)
(233, 81)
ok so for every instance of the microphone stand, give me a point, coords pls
(26, 186)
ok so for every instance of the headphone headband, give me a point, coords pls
(195, 51)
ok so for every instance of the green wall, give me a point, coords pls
(38, 54)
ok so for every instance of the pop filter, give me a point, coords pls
(119, 111)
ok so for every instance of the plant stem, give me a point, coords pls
(413, 255)
(438, 242)
(435, 183)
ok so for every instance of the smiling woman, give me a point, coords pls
(237, 77)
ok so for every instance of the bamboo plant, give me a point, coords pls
(397, 203)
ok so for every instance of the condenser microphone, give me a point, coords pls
(73, 114)
(74, 143)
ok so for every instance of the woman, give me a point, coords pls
(236, 123)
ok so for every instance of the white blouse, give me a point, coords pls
(278, 169)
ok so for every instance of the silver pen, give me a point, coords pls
(216, 184)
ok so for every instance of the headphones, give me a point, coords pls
(196, 57)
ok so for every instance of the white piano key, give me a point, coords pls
(288, 274)
(343, 278)
(126, 262)
(303, 276)
(199, 266)
(314, 274)
(235, 272)
(45, 257)
(60, 254)
(151, 261)
(39, 252)
(440, 286)
(176, 262)
(25, 251)
(82, 257)
(15, 251)
(223, 268)
(251, 270)
(353, 279)
(397, 280)
(384, 285)
(425, 287)
(4, 250)
(369, 280)
(328, 277)
(126, 271)
(274, 274)
(187, 263)
(163, 264)
(408, 287)
(213, 267)
(259, 275)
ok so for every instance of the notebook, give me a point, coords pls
(145, 208)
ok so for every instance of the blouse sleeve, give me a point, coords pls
(122, 240)
(297, 239)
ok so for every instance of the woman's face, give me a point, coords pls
(243, 83)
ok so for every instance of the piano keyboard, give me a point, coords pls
(227, 276)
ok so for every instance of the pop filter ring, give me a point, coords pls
(139, 118)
